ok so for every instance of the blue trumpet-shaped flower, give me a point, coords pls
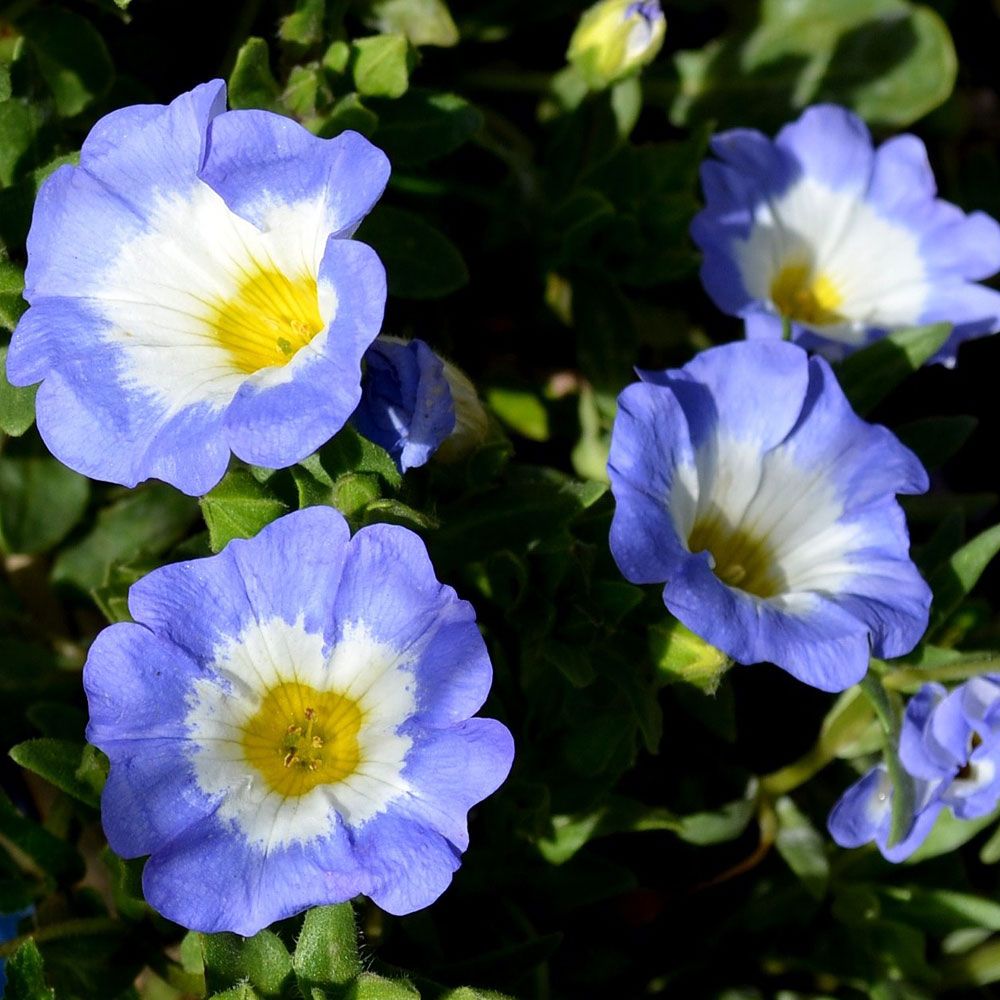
(842, 240)
(194, 291)
(950, 746)
(746, 483)
(289, 724)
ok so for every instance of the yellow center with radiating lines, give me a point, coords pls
(805, 297)
(741, 559)
(268, 320)
(301, 738)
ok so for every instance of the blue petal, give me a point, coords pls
(389, 585)
(257, 160)
(649, 441)
(862, 811)
(921, 758)
(291, 569)
(831, 144)
(452, 769)
(209, 879)
(902, 177)
(410, 864)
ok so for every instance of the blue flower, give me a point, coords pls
(845, 241)
(950, 746)
(746, 483)
(615, 39)
(415, 404)
(194, 291)
(289, 724)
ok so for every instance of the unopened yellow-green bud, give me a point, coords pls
(471, 421)
(616, 38)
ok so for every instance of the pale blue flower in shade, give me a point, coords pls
(194, 291)
(950, 746)
(843, 240)
(289, 723)
(746, 484)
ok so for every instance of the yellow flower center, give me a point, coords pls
(742, 560)
(805, 297)
(268, 320)
(301, 738)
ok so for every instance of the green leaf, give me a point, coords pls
(369, 986)
(530, 505)
(239, 507)
(17, 404)
(72, 57)
(952, 581)
(19, 121)
(146, 521)
(78, 769)
(327, 950)
(618, 815)
(420, 261)
(251, 83)
(802, 847)
(40, 501)
(521, 410)
(304, 26)
(680, 655)
(424, 22)
(889, 60)
(26, 975)
(389, 511)
(349, 113)
(939, 911)
(948, 834)
(423, 125)
(381, 65)
(51, 854)
(12, 305)
(261, 962)
(716, 826)
(469, 993)
(868, 376)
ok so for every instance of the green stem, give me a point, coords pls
(911, 678)
(787, 778)
(68, 928)
(902, 783)
(786, 328)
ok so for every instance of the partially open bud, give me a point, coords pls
(415, 405)
(616, 38)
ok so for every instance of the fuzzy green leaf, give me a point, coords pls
(26, 975)
(77, 768)
(381, 65)
(239, 507)
(251, 83)
(424, 22)
(327, 950)
(261, 962)
(40, 501)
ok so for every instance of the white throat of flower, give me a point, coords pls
(204, 301)
(827, 260)
(771, 528)
(291, 738)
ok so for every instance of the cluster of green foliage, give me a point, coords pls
(663, 830)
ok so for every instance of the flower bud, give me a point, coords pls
(616, 38)
(415, 404)
(471, 422)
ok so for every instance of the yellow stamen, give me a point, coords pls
(741, 559)
(268, 320)
(805, 297)
(301, 738)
